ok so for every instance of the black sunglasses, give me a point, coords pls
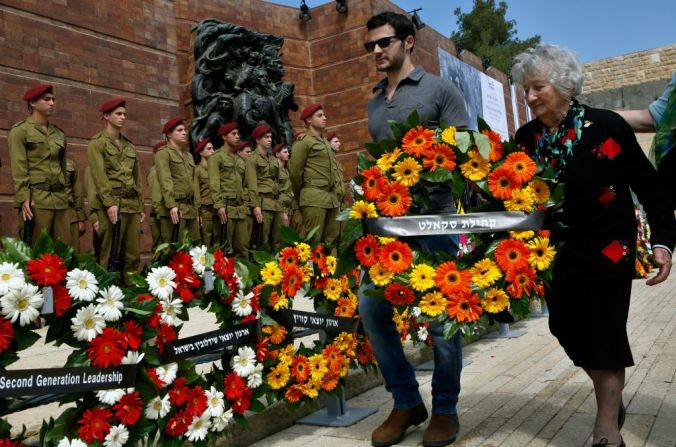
(382, 43)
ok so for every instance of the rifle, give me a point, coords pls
(174, 232)
(114, 260)
(224, 227)
(28, 225)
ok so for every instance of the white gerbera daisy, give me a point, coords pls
(11, 277)
(110, 397)
(87, 324)
(244, 362)
(199, 428)
(199, 259)
(160, 282)
(22, 304)
(241, 305)
(158, 407)
(110, 303)
(132, 358)
(416, 312)
(171, 311)
(117, 436)
(255, 379)
(215, 402)
(74, 443)
(82, 285)
(218, 424)
(422, 333)
(167, 373)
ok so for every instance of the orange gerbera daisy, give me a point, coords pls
(365, 249)
(522, 281)
(440, 156)
(464, 306)
(497, 148)
(300, 368)
(450, 279)
(276, 332)
(511, 254)
(288, 257)
(294, 393)
(292, 280)
(395, 256)
(394, 199)
(373, 182)
(522, 165)
(334, 359)
(399, 294)
(418, 141)
(345, 308)
(501, 182)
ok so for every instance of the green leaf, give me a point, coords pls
(450, 328)
(483, 143)
(137, 311)
(459, 184)
(364, 162)
(16, 249)
(347, 261)
(257, 406)
(289, 235)
(261, 257)
(463, 141)
(439, 175)
(483, 125)
(77, 358)
(137, 280)
(26, 339)
(413, 120)
(44, 244)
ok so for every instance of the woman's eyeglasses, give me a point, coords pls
(382, 43)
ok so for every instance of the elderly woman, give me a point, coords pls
(595, 154)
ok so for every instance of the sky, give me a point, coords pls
(594, 29)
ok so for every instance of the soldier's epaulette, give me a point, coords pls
(58, 128)
(126, 138)
(19, 123)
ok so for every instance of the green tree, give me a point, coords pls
(487, 33)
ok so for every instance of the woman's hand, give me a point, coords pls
(663, 260)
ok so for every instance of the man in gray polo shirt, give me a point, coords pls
(391, 38)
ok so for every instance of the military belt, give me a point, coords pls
(269, 195)
(233, 201)
(187, 200)
(125, 194)
(44, 186)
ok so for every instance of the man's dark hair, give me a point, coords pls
(403, 27)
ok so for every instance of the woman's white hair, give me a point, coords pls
(558, 64)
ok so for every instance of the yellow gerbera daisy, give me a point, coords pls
(433, 304)
(541, 253)
(386, 240)
(448, 135)
(540, 191)
(333, 289)
(485, 273)
(286, 354)
(400, 320)
(304, 251)
(522, 200)
(311, 388)
(379, 275)
(282, 302)
(386, 160)
(271, 274)
(407, 172)
(331, 264)
(279, 376)
(476, 168)
(422, 277)
(363, 210)
(318, 367)
(522, 235)
(495, 300)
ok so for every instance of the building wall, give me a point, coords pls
(142, 50)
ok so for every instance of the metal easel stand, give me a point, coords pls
(429, 365)
(337, 413)
(505, 332)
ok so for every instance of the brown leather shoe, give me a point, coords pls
(394, 428)
(442, 430)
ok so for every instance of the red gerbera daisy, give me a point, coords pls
(450, 279)
(372, 183)
(197, 401)
(300, 368)
(165, 334)
(233, 386)
(501, 183)
(292, 280)
(132, 334)
(128, 409)
(178, 425)
(6, 334)
(440, 156)
(48, 270)
(394, 199)
(365, 249)
(107, 349)
(178, 394)
(61, 299)
(6, 442)
(511, 254)
(222, 265)
(152, 375)
(95, 424)
(398, 294)
(243, 402)
(522, 279)
(417, 141)
(288, 257)
(395, 256)
(464, 306)
(263, 349)
(181, 263)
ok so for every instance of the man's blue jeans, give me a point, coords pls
(397, 372)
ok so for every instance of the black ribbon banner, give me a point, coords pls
(431, 225)
(328, 323)
(209, 341)
(35, 382)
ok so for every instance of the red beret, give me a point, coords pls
(169, 125)
(111, 105)
(158, 146)
(278, 148)
(227, 128)
(261, 130)
(242, 145)
(36, 92)
(202, 144)
(331, 135)
(309, 110)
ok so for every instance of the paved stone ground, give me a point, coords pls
(526, 392)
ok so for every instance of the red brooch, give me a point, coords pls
(615, 251)
(607, 196)
(609, 149)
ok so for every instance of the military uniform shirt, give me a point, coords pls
(262, 181)
(313, 172)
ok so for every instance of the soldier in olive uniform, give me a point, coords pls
(155, 200)
(226, 181)
(177, 179)
(315, 178)
(75, 204)
(116, 172)
(206, 211)
(262, 182)
(286, 198)
(94, 205)
(37, 150)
